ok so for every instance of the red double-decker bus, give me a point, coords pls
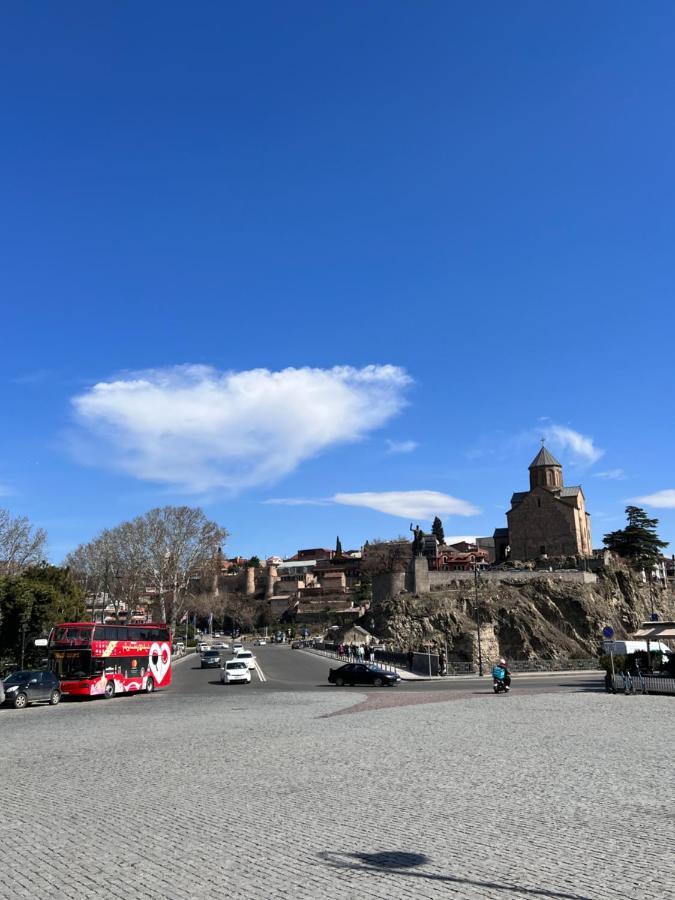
(103, 660)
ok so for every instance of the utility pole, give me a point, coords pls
(475, 587)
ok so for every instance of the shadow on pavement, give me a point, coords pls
(402, 863)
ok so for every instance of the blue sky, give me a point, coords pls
(452, 223)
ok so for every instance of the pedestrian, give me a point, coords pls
(442, 662)
(361, 652)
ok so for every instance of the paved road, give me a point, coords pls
(294, 670)
(295, 789)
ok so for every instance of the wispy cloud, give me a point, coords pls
(660, 499)
(401, 446)
(410, 504)
(200, 429)
(611, 475)
(573, 446)
(404, 504)
(580, 447)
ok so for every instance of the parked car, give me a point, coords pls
(22, 688)
(297, 645)
(247, 657)
(235, 671)
(211, 659)
(363, 673)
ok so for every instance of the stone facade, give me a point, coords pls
(549, 519)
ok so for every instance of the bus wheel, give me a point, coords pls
(149, 686)
(109, 690)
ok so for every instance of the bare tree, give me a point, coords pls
(181, 550)
(21, 544)
(173, 551)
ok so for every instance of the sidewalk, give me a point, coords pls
(406, 675)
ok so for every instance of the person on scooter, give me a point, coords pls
(501, 673)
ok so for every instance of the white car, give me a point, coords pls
(237, 648)
(259, 642)
(247, 657)
(220, 645)
(235, 670)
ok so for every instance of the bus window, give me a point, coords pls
(99, 633)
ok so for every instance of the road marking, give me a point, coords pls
(261, 674)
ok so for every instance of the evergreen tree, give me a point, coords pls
(338, 546)
(365, 592)
(33, 602)
(638, 542)
(437, 531)
(254, 562)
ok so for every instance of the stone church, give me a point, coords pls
(548, 520)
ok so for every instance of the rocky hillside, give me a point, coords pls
(544, 618)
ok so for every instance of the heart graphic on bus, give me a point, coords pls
(160, 660)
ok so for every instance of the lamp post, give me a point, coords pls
(475, 588)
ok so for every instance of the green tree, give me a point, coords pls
(638, 542)
(437, 531)
(365, 592)
(338, 546)
(254, 562)
(31, 604)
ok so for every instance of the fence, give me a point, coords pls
(643, 684)
(427, 664)
(330, 652)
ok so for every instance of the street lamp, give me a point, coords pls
(477, 611)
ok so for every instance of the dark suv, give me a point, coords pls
(22, 688)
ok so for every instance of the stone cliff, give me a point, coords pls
(544, 617)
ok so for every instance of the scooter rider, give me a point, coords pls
(501, 673)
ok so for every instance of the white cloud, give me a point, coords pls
(401, 446)
(199, 428)
(611, 475)
(409, 504)
(580, 446)
(661, 499)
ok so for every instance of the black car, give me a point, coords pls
(22, 688)
(362, 673)
(211, 659)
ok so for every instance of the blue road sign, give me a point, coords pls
(608, 632)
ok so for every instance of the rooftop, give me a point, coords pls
(544, 458)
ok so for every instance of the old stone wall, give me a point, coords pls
(451, 579)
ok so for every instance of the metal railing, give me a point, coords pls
(428, 664)
(629, 683)
(352, 658)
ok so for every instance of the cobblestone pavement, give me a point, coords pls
(534, 796)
